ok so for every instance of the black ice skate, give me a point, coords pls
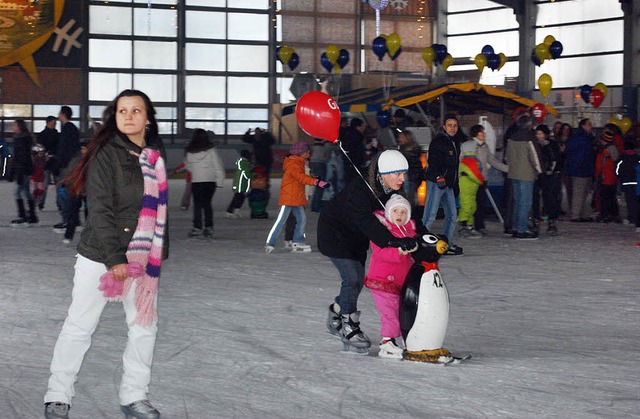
(353, 339)
(334, 321)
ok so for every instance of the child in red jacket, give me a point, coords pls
(606, 176)
(388, 269)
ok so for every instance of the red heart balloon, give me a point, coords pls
(319, 116)
(596, 97)
(539, 111)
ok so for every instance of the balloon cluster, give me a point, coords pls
(387, 44)
(593, 95)
(488, 58)
(287, 56)
(547, 50)
(334, 59)
(624, 123)
(437, 54)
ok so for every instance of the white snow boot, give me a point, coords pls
(334, 321)
(353, 339)
(389, 348)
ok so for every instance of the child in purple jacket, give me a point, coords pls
(387, 271)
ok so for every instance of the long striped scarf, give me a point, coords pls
(144, 252)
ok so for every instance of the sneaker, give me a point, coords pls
(334, 321)
(268, 248)
(60, 228)
(66, 241)
(454, 250)
(389, 348)
(231, 215)
(474, 234)
(353, 339)
(527, 235)
(19, 222)
(300, 247)
(288, 244)
(195, 232)
(483, 231)
(142, 409)
(208, 232)
(56, 410)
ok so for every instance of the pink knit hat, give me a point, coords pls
(299, 148)
(397, 201)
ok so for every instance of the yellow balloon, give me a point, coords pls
(393, 43)
(542, 52)
(545, 83)
(382, 35)
(284, 53)
(333, 53)
(503, 60)
(447, 61)
(601, 86)
(428, 55)
(549, 39)
(480, 61)
(613, 120)
(625, 124)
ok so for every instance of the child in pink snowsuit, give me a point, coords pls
(388, 269)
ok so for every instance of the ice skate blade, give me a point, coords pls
(352, 350)
(388, 355)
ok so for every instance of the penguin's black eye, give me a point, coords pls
(429, 238)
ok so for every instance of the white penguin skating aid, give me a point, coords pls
(424, 308)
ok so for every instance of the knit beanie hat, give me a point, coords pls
(392, 161)
(299, 148)
(397, 201)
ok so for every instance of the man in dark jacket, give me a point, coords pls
(48, 137)
(353, 144)
(68, 146)
(579, 167)
(442, 179)
(262, 142)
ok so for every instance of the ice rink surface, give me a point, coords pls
(553, 326)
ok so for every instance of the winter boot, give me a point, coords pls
(353, 339)
(22, 215)
(300, 247)
(142, 409)
(33, 219)
(552, 230)
(334, 321)
(208, 232)
(56, 410)
(389, 348)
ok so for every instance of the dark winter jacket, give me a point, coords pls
(626, 167)
(580, 155)
(21, 163)
(412, 153)
(444, 158)
(68, 144)
(551, 158)
(347, 223)
(49, 139)
(114, 188)
(261, 147)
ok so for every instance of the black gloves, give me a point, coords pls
(404, 244)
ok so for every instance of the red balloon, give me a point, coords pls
(539, 111)
(596, 97)
(319, 115)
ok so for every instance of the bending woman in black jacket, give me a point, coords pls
(345, 227)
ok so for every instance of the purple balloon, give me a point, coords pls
(379, 47)
(324, 60)
(556, 49)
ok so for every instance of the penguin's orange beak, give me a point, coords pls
(441, 246)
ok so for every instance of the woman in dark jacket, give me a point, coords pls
(345, 227)
(120, 251)
(21, 170)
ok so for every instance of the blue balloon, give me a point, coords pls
(441, 52)
(343, 58)
(487, 50)
(294, 61)
(556, 49)
(493, 62)
(383, 118)
(585, 91)
(535, 58)
(278, 54)
(379, 47)
(324, 60)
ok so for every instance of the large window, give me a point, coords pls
(219, 81)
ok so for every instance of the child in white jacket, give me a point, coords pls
(207, 173)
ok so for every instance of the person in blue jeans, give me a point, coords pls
(345, 227)
(442, 179)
